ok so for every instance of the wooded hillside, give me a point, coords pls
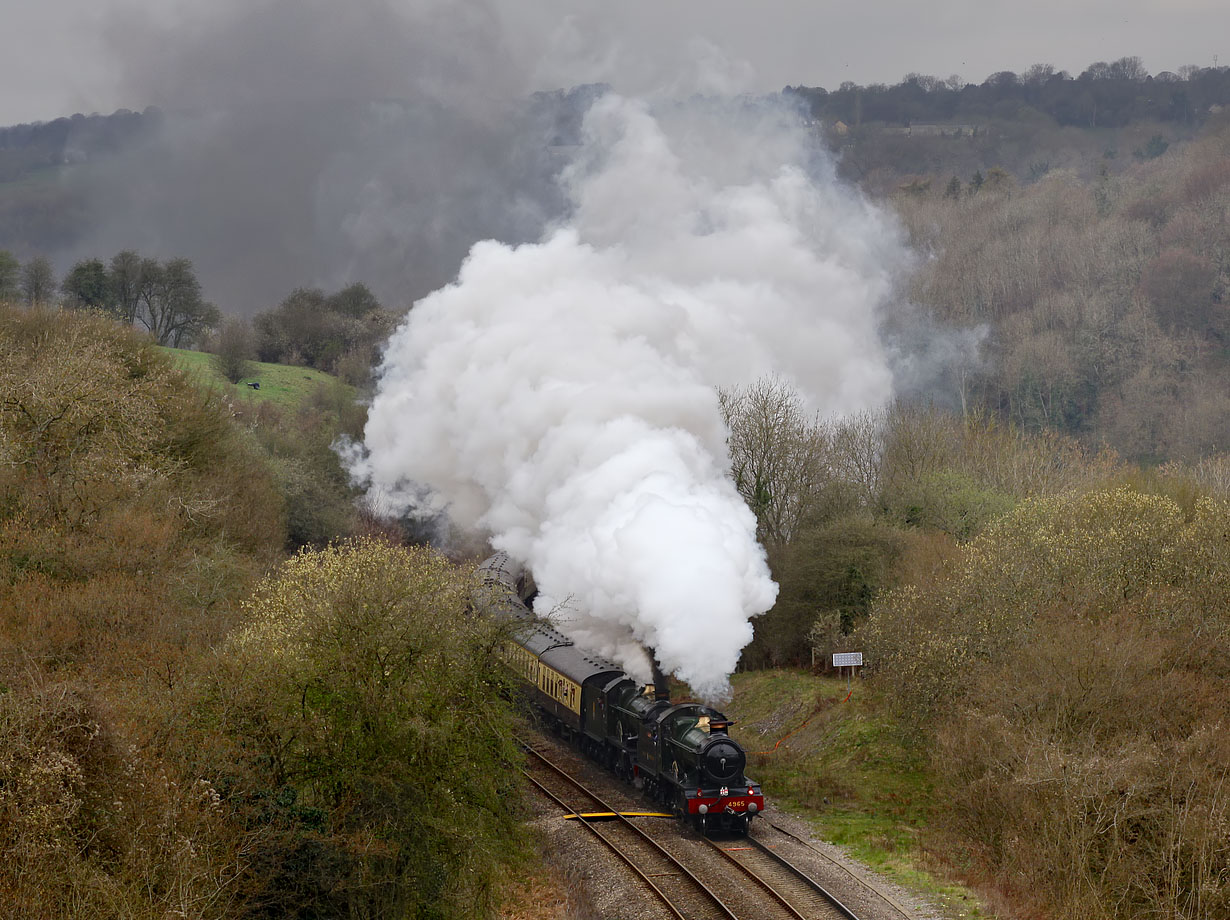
(189, 724)
(1103, 300)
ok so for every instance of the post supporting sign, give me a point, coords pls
(849, 660)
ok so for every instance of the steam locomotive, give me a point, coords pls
(680, 754)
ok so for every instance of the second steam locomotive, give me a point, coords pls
(679, 753)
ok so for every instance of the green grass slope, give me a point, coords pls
(830, 754)
(281, 384)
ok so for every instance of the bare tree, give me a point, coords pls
(1037, 74)
(38, 281)
(125, 278)
(778, 456)
(10, 271)
(170, 303)
(858, 452)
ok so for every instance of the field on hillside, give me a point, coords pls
(281, 384)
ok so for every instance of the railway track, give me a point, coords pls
(683, 894)
(797, 892)
(861, 883)
(771, 886)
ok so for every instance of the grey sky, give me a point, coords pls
(63, 56)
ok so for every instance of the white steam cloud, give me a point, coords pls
(560, 396)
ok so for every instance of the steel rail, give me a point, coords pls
(670, 860)
(782, 864)
(862, 882)
(747, 870)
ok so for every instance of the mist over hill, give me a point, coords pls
(272, 171)
(265, 199)
(303, 144)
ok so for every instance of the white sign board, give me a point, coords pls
(847, 659)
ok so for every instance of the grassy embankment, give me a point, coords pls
(843, 765)
(295, 417)
(286, 386)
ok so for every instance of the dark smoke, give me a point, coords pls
(317, 144)
(661, 682)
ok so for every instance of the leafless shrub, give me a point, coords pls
(1072, 667)
(235, 349)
